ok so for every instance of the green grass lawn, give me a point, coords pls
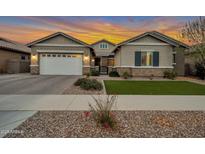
(153, 88)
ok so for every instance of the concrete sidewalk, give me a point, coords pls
(80, 102)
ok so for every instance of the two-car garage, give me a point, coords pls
(59, 54)
(60, 64)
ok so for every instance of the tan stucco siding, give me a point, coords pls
(126, 55)
(147, 39)
(6, 55)
(97, 48)
(59, 40)
(117, 58)
(86, 50)
(180, 63)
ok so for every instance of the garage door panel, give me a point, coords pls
(61, 65)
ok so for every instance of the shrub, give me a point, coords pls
(89, 84)
(80, 81)
(114, 74)
(126, 75)
(94, 73)
(200, 71)
(170, 74)
(151, 76)
(102, 113)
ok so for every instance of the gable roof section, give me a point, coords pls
(103, 40)
(12, 45)
(158, 36)
(56, 34)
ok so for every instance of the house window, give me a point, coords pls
(103, 46)
(147, 59)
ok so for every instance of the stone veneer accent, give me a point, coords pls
(143, 72)
(86, 70)
(34, 70)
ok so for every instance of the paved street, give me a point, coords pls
(35, 84)
(11, 119)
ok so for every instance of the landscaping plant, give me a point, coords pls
(89, 84)
(200, 71)
(114, 74)
(94, 73)
(170, 74)
(102, 111)
(125, 75)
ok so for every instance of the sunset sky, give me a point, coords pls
(89, 29)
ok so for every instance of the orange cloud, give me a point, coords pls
(88, 31)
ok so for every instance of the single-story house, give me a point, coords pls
(148, 54)
(14, 57)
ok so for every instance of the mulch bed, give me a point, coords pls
(129, 124)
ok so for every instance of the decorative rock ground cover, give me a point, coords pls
(76, 90)
(130, 124)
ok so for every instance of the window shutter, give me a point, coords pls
(156, 58)
(137, 58)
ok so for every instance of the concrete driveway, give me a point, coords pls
(35, 84)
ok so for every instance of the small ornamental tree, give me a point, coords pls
(194, 31)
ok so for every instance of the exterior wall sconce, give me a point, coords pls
(86, 57)
(34, 56)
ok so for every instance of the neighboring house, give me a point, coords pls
(148, 54)
(14, 57)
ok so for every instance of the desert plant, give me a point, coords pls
(94, 73)
(114, 74)
(170, 74)
(126, 75)
(200, 71)
(102, 111)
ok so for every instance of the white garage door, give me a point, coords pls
(61, 64)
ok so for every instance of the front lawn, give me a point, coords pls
(153, 88)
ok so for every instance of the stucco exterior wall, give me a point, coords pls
(98, 50)
(180, 63)
(59, 40)
(147, 39)
(7, 55)
(126, 55)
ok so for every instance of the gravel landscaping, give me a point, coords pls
(129, 124)
(76, 90)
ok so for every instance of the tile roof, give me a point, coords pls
(12, 45)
